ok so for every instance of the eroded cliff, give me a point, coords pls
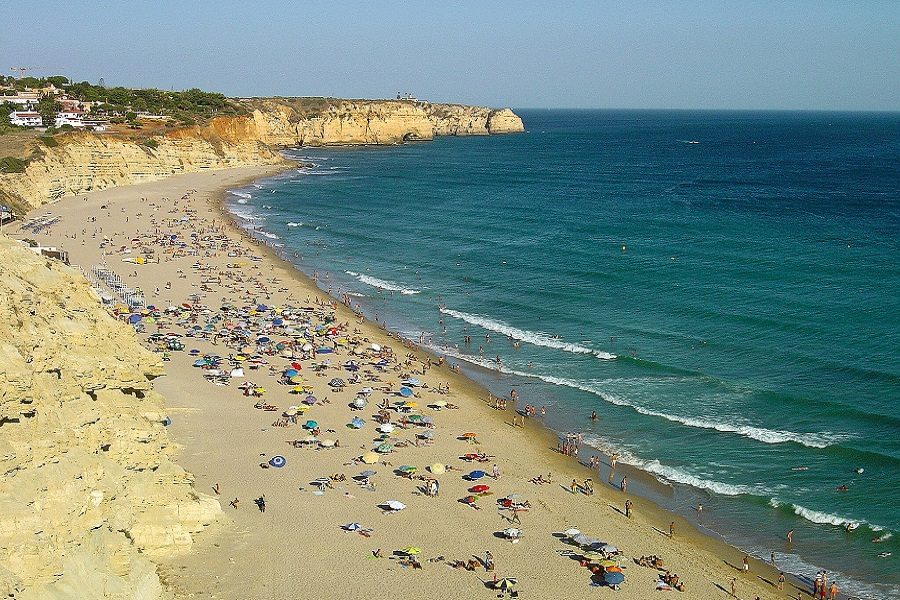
(89, 493)
(84, 162)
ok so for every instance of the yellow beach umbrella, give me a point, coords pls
(370, 458)
(438, 468)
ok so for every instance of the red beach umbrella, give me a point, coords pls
(479, 489)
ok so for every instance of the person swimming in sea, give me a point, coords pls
(594, 415)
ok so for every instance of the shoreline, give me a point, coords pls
(698, 534)
(533, 436)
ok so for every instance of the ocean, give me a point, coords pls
(722, 288)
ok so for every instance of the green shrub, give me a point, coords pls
(11, 164)
(49, 141)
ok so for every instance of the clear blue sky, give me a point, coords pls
(780, 54)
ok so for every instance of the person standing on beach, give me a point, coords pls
(746, 563)
(790, 536)
(781, 581)
(624, 485)
(672, 529)
(628, 505)
(733, 587)
(833, 592)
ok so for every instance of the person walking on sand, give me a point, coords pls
(733, 587)
(672, 529)
(781, 581)
(772, 559)
(628, 505)
(573, 487)
(515, 518)
(746, 563)
(495, 471)
(624, 485)
(488, 561)
(833, 592)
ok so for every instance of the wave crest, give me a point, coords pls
(383, 284)
(531, 337)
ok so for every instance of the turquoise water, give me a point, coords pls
(721, 288)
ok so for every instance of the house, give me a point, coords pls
(24, 100)
(25, 118)
(70, 117)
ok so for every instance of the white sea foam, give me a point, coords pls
(823, 518)
(382, 284)
(244, 195)
(269, 235)
(767, 436)
(531, 337)
(292, 224)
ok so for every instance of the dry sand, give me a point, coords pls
(295, 549)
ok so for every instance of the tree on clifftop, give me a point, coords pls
(47, 108)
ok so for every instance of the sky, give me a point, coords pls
(731, 54)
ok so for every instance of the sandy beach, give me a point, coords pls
(292, 545)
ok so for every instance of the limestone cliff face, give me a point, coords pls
(88, 490)
(85, 162)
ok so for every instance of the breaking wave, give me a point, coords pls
(382, 284)
(531, 337)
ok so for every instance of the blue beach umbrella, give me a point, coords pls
(291, 373)
(476, 474)
(357, 423)
(277, 461)
(310, 424)
(614, 577)
(134, 318)
(406, 392)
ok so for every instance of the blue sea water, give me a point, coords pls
(722, 288)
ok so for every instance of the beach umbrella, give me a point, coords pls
(277, 461)
(476, 474)
(292, 411)
(412, 382)
(263, 340)
(429, 434)
(470, 435)
(512, 533)
(614, 578)
(410, 550)
(506, 584)
(386, 428)
(607, 564)
(291, 373)
(608, 548)
(296, 379)
(359, 402)
(407, 469)
(375, 347)
(409, 405)
(357, 423)
(414, 418)
(307, 347)
(296, 365)
(337, 382)
(395, 505)
(310, 424)
(310, 400)
(369, 458)
(406, 392)
(384, 448)
(297, 389)
(134, 318)
(367, 473)
(351, 527)
(583, 540)
(479, 489)
(439, 403)
(327, 443)
(438, 468)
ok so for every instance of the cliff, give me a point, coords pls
(88, 490)
(83, 162)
